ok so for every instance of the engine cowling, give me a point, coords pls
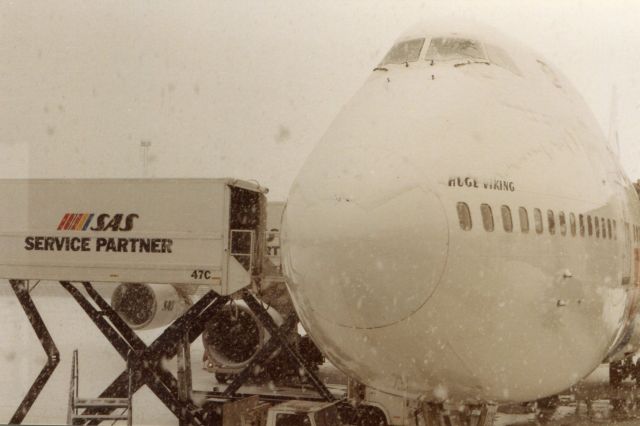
(146, 306)
(234, 336)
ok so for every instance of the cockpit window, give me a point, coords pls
(444, 48)
(404, 51)
(499, 57)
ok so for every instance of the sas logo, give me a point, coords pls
(103, 222)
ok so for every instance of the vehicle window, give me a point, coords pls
(507, 221)
(581, 217)
(572, 224)
(404, 51)
(327, 417)
(603, 226)
(443, 48)
(464, 216)
(609, 227)
(615, 230)
(563, 224)
(499, 57)
(524, 220)
(552, 222)
(537, 218)
(286, 419)
(487, 217)
(589, 225)
(596, 222)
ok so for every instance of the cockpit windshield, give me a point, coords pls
(404, 51)
(445, 48)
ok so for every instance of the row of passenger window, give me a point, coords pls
(582, 224)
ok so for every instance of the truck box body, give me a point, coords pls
(174, 231)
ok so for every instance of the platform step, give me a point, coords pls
(98, 417)
(101, 402)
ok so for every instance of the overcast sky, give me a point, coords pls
(246, 88)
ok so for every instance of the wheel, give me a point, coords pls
(371, 416)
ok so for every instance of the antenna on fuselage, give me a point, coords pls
(614, 141)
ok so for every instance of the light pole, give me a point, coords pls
(144, 152)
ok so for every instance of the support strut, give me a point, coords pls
(145, 361)
(21, 290)
(278, 335)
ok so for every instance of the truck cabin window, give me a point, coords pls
(285, 419)
(404, 52)
(326, 418)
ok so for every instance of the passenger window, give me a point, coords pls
(596, 222)
(589, 225)
(627, 234)
(524, 220)
(603, 226)
(563, 223)
(615, 230)
(487, 217)
(507, 221)
(581, 217)
(609, 227)
(537, 217)
(464, 216)
(572, 224)
(552, 222)
(405, 51)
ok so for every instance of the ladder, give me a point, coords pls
(112, 404)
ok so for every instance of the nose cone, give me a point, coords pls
(365, 239)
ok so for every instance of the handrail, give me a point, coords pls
(130, 405)
(73, 388)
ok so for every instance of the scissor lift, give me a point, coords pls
(144, 362)
(181, 232)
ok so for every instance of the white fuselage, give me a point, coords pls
(394, 290)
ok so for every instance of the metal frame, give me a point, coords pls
(252, 246)
(21, 289)
(278, 340)
(144, 361)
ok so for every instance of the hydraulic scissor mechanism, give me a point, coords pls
(144, 362)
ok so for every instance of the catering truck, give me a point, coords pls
(164, 231)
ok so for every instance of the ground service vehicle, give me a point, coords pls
(251, 412)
